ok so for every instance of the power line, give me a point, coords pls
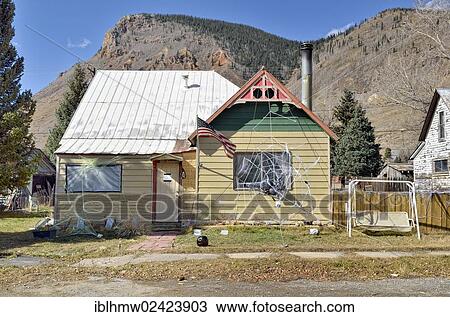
(95, 68)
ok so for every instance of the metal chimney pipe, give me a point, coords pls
(306, 52)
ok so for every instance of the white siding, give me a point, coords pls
(433, 149)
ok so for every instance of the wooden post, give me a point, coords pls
(56, 215)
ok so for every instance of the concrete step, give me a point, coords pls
(166, 226)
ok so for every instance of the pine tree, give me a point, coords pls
(76, 88)
(16, 110)
(356, 153)
(344, 111)
(388, 153)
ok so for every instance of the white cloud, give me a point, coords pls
(82, 44)
(432, 4)
(336, 31)
(435, 4)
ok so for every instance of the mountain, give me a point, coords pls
(364, 58)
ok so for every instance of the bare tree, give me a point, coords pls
(410, 78)
(408, 83)
(433, 23)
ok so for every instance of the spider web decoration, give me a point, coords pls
(272, 168)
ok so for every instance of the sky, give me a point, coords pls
(50, 33)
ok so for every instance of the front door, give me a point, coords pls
(167, 191)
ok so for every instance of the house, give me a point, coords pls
(40, 188)
(132, 152)
(279, 140)
(129, 135)
(397, 171)
(42, 182)
(431, 156)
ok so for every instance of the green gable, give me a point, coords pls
(255, 116)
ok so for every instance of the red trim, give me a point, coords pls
(154, 188)
(257, 77)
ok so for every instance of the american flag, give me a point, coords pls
(204, 129)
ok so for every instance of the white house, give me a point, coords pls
(431, 167)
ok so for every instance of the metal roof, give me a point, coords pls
(44, 165)
(143, 112)
(401, 167)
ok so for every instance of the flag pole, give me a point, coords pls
(197, 169)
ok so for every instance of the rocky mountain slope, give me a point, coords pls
(365, 59)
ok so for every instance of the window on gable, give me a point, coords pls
(268, 172)
(86, 178)
(441, 125)
(440, 166)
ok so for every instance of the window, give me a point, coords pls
(440, 166)
(268, 172)
(441, 125)
(87, 178)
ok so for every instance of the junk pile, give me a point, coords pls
(45, 228)
(78, 226)
(126, 228)
(73, 226)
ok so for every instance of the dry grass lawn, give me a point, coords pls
(288, 238)
(276, 268)
(16, 239)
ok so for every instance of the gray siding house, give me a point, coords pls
(431, 166)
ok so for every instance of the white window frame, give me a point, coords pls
(441, 126)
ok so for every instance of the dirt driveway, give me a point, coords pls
(99, 286)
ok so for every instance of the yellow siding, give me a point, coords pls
(310, 152)
(134, 199)
(189, 169)
(218, 200)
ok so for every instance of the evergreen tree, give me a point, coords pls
(16, 110)
(76, 88)
(344, 111)
(388, 153)
(356, 153)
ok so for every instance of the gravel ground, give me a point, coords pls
(99, 286)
